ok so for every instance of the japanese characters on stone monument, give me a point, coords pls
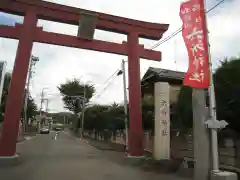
(162, 121)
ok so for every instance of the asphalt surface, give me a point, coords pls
(67, 158)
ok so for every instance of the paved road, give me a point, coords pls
(66, 158)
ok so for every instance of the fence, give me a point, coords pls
(182, 145)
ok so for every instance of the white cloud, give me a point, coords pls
(60, 63)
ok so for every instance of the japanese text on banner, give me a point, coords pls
(195, 37)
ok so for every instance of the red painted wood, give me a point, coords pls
(97, 45)
(16, 90)
(70, 15)
(73, 41)
(9, 32)
(135, 114)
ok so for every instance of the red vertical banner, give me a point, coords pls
(194, 33)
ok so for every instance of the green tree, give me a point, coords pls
(102, 117)
(115, 117)
(227, 88)
(7, 80)
(148, 113)
(75, 88)
(31, 109)
(69, 91)
(95, 118)
(184, 118)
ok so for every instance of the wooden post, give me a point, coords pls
(17, 86)
(201, 138)
(135, 114)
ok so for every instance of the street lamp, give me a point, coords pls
(34, 59)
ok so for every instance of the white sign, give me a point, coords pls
(162, 121)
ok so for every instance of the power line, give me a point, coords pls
(105, 88)
(111, 76)
(180, 29)
(101, 92)
(167, 38)
(95, 96)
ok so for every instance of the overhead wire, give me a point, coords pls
(52, 96)
(104, 88)
(111, 76)
(100, 93)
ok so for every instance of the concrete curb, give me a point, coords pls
(6, 161)
(103, 146)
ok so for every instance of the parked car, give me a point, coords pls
(44, 131)
(58, 128)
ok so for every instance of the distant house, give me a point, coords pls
(153, 75)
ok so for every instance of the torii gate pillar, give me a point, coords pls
(135, 126)
(17, 86)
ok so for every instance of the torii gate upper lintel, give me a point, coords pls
(28, 32)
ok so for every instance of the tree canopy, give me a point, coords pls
(31, 108)
(184, 118)
(100, 117)
(227, 88)
(75, 88)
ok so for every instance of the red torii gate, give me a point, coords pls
(28, 32)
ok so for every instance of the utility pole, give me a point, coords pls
(33, 61)
(41, 106)
(83, 110)
(47, 100)
(125, 103)
(42, 99)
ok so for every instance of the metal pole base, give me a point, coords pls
(224, 175)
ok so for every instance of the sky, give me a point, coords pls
(59, 64)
